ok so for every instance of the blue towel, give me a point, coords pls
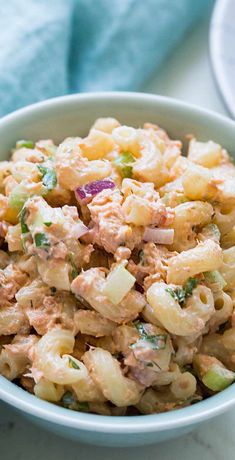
(55, 47)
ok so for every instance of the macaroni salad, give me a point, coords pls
(117, 270)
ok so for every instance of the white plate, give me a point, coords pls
(222, 50)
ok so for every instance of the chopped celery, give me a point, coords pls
(124, 164)
(215, 279)
(218, 378)
(119, 282)
(17, 197)
(24, 143)
(46, 216)
(21, 192)
(48, 177)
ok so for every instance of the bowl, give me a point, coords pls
(69, 116)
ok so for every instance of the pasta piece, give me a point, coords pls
(106, 372)
(184, 386)
(223, 310)
(86, 389)
(107, 124)
(92, 323)
(203, 187)
(13, 238)
(127, 139)
(48, 391)
(123, 337)
(5, 170)
(74, 170)
(51, 360)
(24, 170)
(204, 257)
(16, 356)
(181, 321)
(90, 285)
(96, 145)
(228, 240)
(187, 347)
(155, 401)
(188, 216)
(149, 167)
(227, 269)
(55, 273)
(13, 320)
(166, 377)
(208, 154)
(142, 206)
(4, 259)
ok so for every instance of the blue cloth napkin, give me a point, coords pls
(54, 47)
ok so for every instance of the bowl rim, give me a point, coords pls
(30, 404)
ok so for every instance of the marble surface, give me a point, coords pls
(186, 75)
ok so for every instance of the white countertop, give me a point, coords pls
(187, 76)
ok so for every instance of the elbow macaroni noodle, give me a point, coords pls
(99, 311)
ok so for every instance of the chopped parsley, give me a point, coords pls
(73, 364)
(141, 257)
(181, 294)
(41, 240)
(23, 216)
(83, 406)
(48, 224)
(124, 164)
(74, 271)
(157, 341)
(68, 399)
(48, 177)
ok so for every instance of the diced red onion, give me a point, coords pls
(86, 192)
(159, 235)
(80, 230)
(139, 288)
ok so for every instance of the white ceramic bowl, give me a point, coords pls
(72, 116)
(222, 42)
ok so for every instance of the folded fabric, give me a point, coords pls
(55, 47)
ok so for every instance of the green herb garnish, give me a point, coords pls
(41, 240)
(157, 341)
(181, 294)
(24, 143)
(74, 271)
(49, 177)
(48, 224)
(83, 406)
(73, 364)
(124, 164)
(23, 217)
(68, 399)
